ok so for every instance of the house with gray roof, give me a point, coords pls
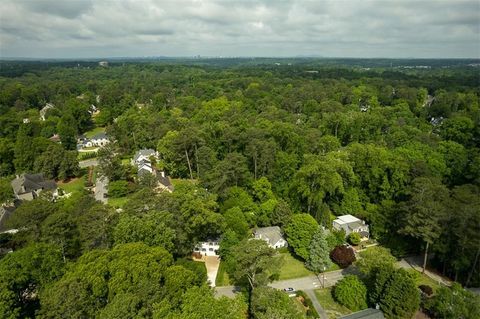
(99, 140)
(352, 224)
(272, 235)
(29, 186)
(145, 155)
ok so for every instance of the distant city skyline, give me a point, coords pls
(149, 28)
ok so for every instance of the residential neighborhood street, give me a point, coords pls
(311, 283)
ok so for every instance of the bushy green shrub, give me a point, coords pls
(354, 238)
(351, 293)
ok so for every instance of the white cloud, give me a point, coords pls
(81, 28)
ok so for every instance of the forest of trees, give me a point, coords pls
(254, 145)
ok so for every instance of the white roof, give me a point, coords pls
(346, 219)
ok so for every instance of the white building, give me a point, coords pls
(98, 140)
(145, 155)
(208, 247)
(352, 224)
(272, 235)
(44, 110)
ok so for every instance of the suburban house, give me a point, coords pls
(352, 224)
(98, 140)
(208, 248)
(272, 235)
(93, 110)
(55, 138)
(44, 110)
(142, 160)
(145, 155)
(29, 186)
(368, 313)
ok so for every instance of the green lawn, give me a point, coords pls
(332, 308)
(94, 132)
(222, 276)
(117, 202)
(74, 185)
(291, 267)
(422, 279)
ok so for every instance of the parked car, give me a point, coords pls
(289, 289)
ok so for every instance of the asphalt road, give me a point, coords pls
(303, 283)
(88, 163)
(101, 189)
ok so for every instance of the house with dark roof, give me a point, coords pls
(365, 314)
(101, 139)
(352, 224)
(272, 235)
(29, 186)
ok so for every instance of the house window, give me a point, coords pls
(204, 249)
(210, 249)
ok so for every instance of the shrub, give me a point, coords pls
(395, 292)
(454, 302)
(118, 189)
(343, 256)
(351, 293)
(427, 290)
(307, 302)
(354, 238)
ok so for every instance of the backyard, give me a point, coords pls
(73, 185)
(94, 131)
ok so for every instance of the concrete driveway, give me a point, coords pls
(212, 263)
(101, 189)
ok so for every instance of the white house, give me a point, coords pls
(352, 224)
(98, 140)
(208, 247)
(43, 111)
(145, 155)
(272, 235)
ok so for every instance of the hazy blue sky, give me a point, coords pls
(101, 28)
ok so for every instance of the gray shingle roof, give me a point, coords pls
(272, 234)
(26, 183)
(145, 152)
(100, 136)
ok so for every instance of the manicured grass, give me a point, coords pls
(74, 185)
(94, 132)
(117, 202)
(291, 267)
(422, 279)
(222, 276)
(332, 308)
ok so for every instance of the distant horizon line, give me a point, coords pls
(199, 57)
